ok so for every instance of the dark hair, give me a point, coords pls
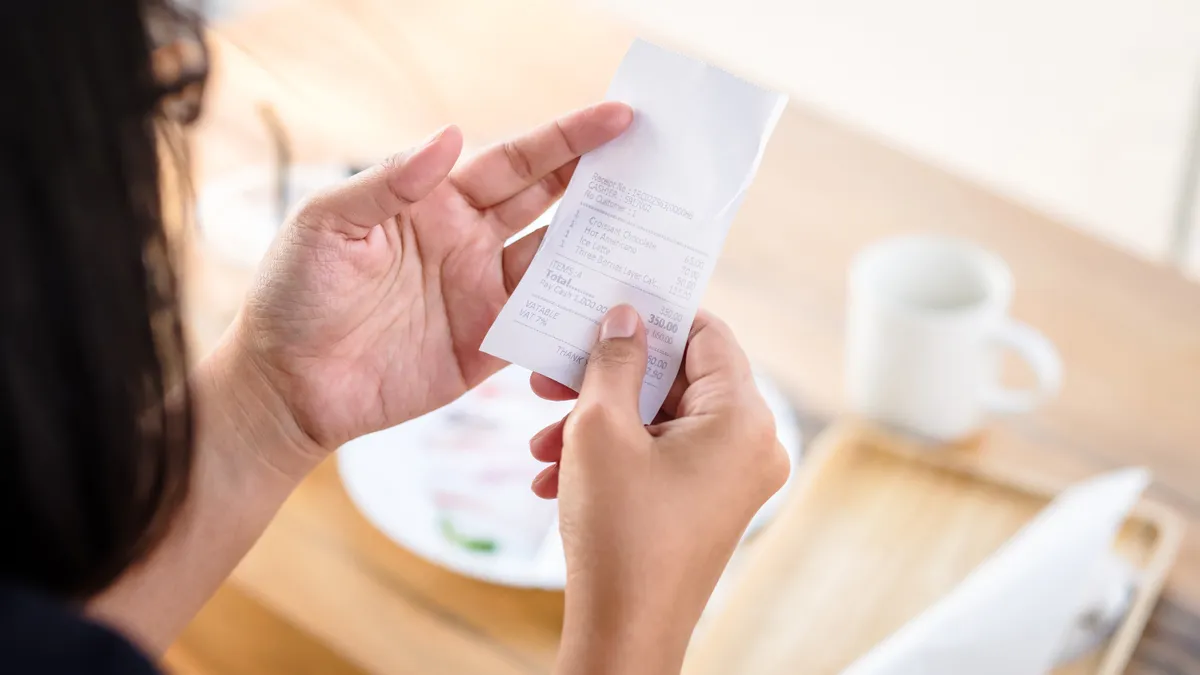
(94, 461)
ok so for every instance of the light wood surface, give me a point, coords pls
(358, 79)
(878, 530)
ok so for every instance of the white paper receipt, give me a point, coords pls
(642, 221)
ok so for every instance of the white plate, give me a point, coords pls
(468, 463)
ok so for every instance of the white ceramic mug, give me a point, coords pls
(928, 318)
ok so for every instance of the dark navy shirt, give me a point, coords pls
(42, 636)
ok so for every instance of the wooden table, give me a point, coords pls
(324, 592)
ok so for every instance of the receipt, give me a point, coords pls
(642, 221)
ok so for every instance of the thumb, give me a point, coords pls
(617, 364)
(386, 189)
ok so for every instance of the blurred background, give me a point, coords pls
(1088, 111)
(1064, 134)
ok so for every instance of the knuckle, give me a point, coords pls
(390, 169)
(611, 354)
(766, 453)
(314, 212)
(566, 138)
(710, 323)
(313, 207)
(393, 162)
(587, 420)
(755, 423)
(777, 466)
(519, 160)
(554, 183)
(763, 437)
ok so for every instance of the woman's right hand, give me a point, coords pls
(650, 515)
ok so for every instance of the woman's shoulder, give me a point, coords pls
(39, 635)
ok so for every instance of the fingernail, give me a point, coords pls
(620, 322)
(618, 114)
(542, 476)
(626, 116)
(436, 136)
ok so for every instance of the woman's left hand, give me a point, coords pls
(373, 302)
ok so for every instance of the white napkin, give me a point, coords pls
(1012, 614)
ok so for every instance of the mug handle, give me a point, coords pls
(1037, 350)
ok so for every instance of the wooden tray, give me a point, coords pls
(876, 530)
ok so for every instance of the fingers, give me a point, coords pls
(670, 406)
(616, 365)
(546, 445)
(550, 390)
(510, 167)
(716, 371)
(700, 323)
(713, 351)
(545, 484)
(524, 207)
(611, 386)
(383, 191)
(517, 256)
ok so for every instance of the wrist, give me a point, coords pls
(232, 392)
(248, 457)
(606, 632)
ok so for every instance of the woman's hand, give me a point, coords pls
(371, 307)
(651, 514)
